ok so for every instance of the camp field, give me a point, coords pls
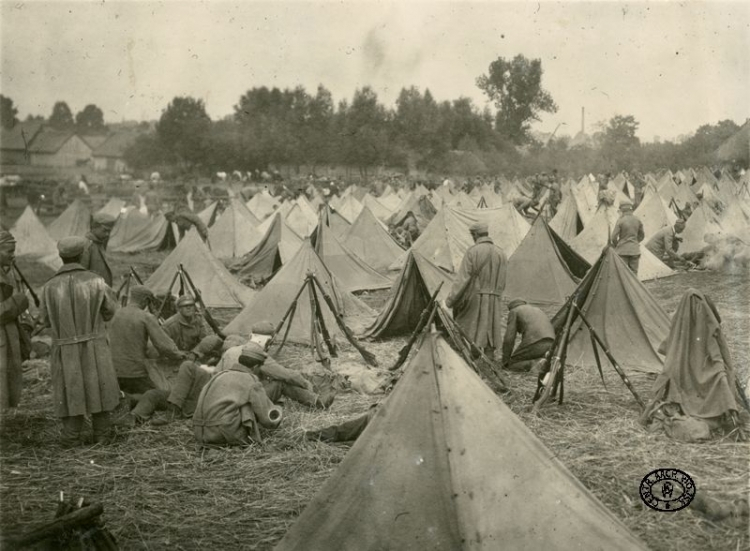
(160, 492)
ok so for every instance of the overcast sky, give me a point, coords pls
(674, 66)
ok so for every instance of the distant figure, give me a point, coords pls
(627, 236)
(94, 253)
(83, 185)
(476, 294)
(664, 244)
(186, 219)
(75, 305)
(187, 328)
(537, 336)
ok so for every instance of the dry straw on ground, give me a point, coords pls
(160, 492)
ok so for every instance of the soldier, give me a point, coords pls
(537, 335)
(187, 328)
(476, 295)
(665, 242)
(185, 219)
(94, 253)
(12, 305)
(132, 327)
(627, 236)
(75, 304)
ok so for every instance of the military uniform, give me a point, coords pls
(662, 245)
(187, 334)
(130, 332)
(626, 238)
(186, 219)
(476, 295)
(537, 336)
(95, 259)
(75, 304)
(12, 305)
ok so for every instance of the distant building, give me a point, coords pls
(110, 155)
(14, 143)
(33, 143)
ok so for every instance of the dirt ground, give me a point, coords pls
(160, 492)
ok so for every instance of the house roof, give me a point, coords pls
(116, 144)
(13, 139)
(50, 140)
(94, 140)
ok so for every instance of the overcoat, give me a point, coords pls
(75, 304)
(476, 295)
(11, 374)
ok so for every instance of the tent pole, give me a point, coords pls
(315, 327)
(288, 315)
(321, 321)
(169, 292)
(199, 299)
(425, 318)
(612, 360)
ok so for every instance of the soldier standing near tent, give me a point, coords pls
(94, 256)
(132, 327)
(12, 305)
(75, 304)
(537, 336)
(664, 244)
(476, 295)
(627, 236)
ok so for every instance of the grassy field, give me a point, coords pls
(160, 492)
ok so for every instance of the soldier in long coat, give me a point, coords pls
(75, 304)
(12, 305)
(94, 253)
(476, 295)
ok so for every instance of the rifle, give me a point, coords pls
(425, 318)
(26, 284)
(199, 299)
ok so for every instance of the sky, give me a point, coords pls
(673, 66)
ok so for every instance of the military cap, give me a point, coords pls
(184, 300)
(104, 219)
(479, 227)
(140, 292)
(626, 205)
(515, 303)
(252, 354)
(69, 247)
(264, 328)
(680, 223)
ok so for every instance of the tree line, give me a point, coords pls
(296, 128)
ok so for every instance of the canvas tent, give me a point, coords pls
(543, 270)
(113, 207)
(272, 302)
(349, 208)
(410, 294)
(278, 245)
(74, 220)
(135, 231)
(262, 205)
(446, 465)
(217, 286)
(594, 237)
(623, 313)
(377, 208)
(566, 221)
(353, 273)
(703, 221)
(655, 213)
(369, 241)
(208, 214)
(33, 243)
(235, 231)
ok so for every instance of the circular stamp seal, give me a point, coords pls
(667, 490)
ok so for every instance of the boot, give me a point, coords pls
(71, 431)
(165, 417)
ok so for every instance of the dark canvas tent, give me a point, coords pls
(446, 465)
(272, 302)
(369, 241)
(217, 286)
(622, 312)
(353, 273)
(544, 270)
(135, 232)
(278, 246)
(418, 280)
(235, 231)
(74, 220)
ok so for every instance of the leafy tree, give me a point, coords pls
(62, 116)
(183, 130)
(365, 131)
(146, 152)
(34, 118)
(516, 88)
(8, 112)
(90, 120)
(619, 143)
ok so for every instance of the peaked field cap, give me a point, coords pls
(185, 300)
(139, 292)
(515, 303)
(626, 205)
(6, 237)
(104, 219)
(479, 227)
(252, 353)
(69, 247)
